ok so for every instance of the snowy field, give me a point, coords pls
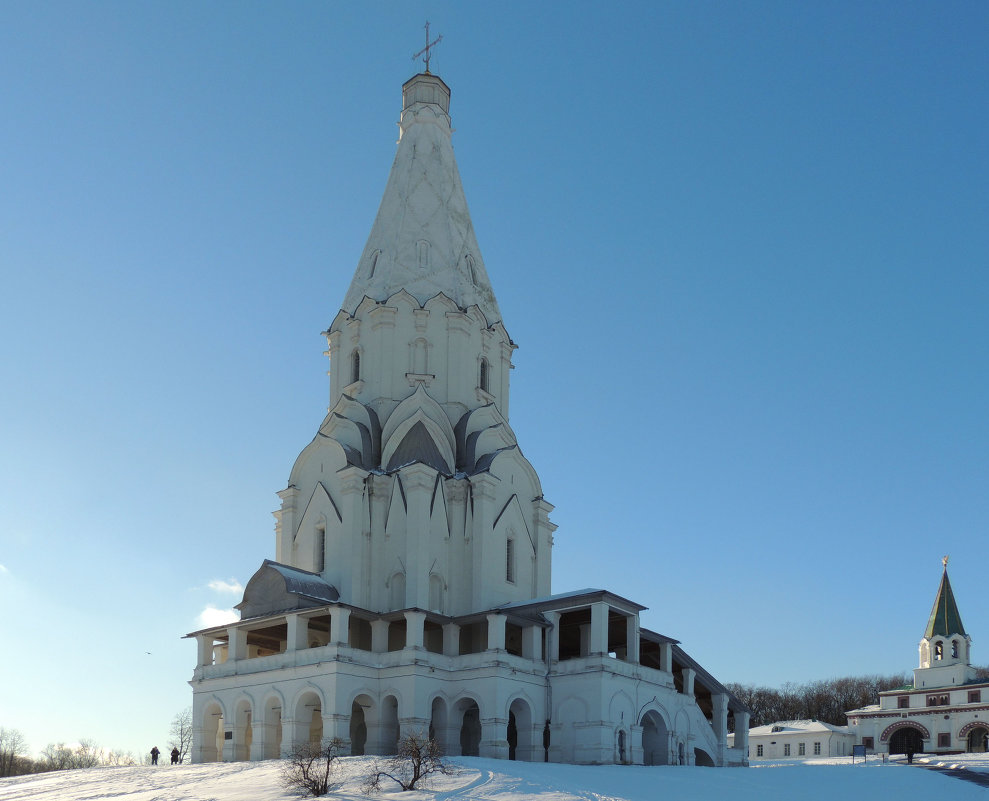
(495, 780)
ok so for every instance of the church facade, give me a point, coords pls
(946, 709)
(410, 588)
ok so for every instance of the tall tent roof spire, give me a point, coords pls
(945, 619)
(423, 239)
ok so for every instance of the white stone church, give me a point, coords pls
(946, 709)
(411, 584)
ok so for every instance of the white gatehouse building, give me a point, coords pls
(411, 582)
(946, 709)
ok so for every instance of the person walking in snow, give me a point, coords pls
(175, 756)
(154, 755)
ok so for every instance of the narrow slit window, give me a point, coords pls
(320, 550)
(484, 375)
(355, 367)
(510, 561)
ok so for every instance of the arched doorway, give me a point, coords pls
(470, 728)
(703, 758)
(978, 740)
(519, 731)
(438, 725)
(308, 716)
(906, 740)
(655, 739)
(358, 725)
(316, 728)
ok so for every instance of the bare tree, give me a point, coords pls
(87, 754)
(118, 759)
(310, 766)
(180, 735)
(12, 747)
(418, 759)
(56, 756)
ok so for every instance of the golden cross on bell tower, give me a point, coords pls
(426, 49)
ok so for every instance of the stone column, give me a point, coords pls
(494, 738)
(204, 647)
(257, 740)
(238, 644)
(532, 642)
(414, 629)
(553, 636)
(337, 725)
(459, 382)
(340, 625)
(412, 725)
(285, 525)
(451, 639)
(635, 752)
(666, 657)
(418, 480)
(543, 535)
(486, 554)
(298, 632)
(228, 741)
(352, 586)
(598, 645)
(688, 681)
(719, 722)
(379, 636)
(632, 639)
(742, 733)
(496, 632)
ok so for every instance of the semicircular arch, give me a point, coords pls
(904, 724)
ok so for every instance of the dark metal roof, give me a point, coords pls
(418, 445)
(944, 619)
(302, 582)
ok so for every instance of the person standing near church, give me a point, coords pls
(154, 755)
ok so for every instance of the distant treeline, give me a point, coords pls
(56, 756)
(827, 700)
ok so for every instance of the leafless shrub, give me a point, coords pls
(310, 766)
(418, 759)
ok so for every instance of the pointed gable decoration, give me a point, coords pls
(945, 619)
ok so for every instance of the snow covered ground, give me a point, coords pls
(494, 780)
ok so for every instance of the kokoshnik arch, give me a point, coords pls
(410, 588)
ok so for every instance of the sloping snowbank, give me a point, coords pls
(495, 780)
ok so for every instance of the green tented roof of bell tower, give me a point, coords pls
(944, 619)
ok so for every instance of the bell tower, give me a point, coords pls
(945, 648)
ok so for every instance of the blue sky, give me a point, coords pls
(742, 247)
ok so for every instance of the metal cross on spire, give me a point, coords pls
(426, 49)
